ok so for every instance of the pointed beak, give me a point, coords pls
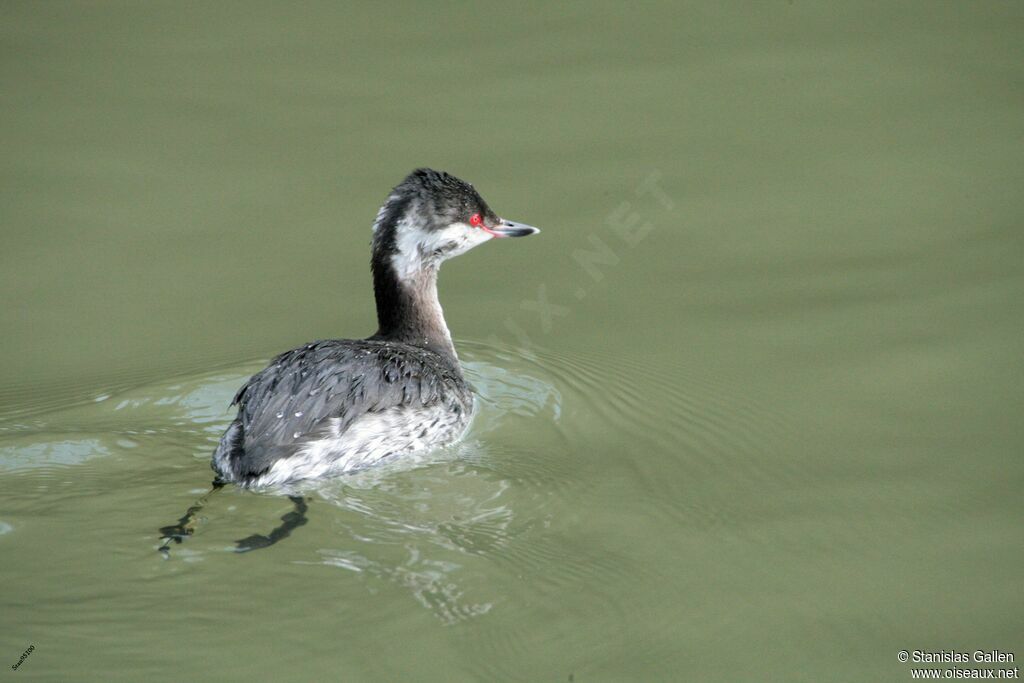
(506, 228)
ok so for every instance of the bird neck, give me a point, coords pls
(408, 309)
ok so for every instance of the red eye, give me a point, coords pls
(475, 220)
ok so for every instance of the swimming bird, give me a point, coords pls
(335, 406)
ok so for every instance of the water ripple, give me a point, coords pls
(555, 435)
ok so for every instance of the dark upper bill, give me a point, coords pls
(506, 228)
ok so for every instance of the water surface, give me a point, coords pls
(749, 405)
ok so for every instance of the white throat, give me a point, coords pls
(420, 250)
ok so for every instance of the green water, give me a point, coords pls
(750, 404)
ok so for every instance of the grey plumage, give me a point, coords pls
(328, 385)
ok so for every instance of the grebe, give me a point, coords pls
(339, 405)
